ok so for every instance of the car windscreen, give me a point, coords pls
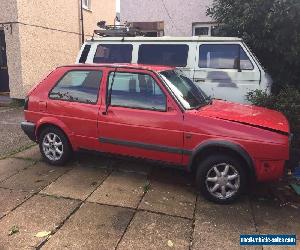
(185, 91)
(164, 54)
(113, 53)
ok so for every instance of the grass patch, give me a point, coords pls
(14, 229)
(147, 187)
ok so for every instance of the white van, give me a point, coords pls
(223, 67)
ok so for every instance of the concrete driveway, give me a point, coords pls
(104, 203)
(12, 138)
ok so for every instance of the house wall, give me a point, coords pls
(100, 10)
(177, 19)
(46, 34)
(9, 11)
(9, 14)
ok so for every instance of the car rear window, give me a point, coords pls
(164, 54)
(78, 86)
(113, 53)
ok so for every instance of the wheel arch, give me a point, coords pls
(209, 147)
(54, 122)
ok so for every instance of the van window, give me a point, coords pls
(78, 86)
(223, 56)
(135, 90)
(245, 62)
(164, 54)
(113, 53)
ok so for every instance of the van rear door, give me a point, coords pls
(226, 70)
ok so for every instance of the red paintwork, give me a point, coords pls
(222, 121)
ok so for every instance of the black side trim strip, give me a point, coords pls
(145, 146)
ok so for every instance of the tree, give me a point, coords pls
(271, 28)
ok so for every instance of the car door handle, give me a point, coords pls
(200, 80)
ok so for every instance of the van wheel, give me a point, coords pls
(54, 146)
(221, 178)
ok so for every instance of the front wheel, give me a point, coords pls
(221, 178)
(54, 146)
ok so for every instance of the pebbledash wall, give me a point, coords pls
(41, 35)
(179, 16)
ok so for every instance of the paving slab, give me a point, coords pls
(78, 183)
(34, 178)
(171, 175)
(136, 166)
(271, 218)
(11, 166)
(93, 226)
(12, 137)
(32, 153)
(156, 231)
(39, 213)
(120, 189)
(10, 199)
(220, 226)
(170, 199)
(92, 160)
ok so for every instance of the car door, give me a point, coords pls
(74, 102)
(142, 120)
(226, 70)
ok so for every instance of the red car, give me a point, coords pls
(156, 112)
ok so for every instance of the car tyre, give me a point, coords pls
(54, 146)
(221, 178)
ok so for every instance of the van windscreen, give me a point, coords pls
(113, 53)
(164, 54)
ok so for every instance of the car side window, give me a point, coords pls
(78, 86)
(223, 56)
(113, 53)
(135, 90)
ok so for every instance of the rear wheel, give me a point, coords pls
(54, 146)
(221, 178)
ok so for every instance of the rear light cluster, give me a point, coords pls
(26, 103)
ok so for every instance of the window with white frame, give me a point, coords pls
(86, 4)
(202, 29)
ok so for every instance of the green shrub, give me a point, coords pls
(286, 101)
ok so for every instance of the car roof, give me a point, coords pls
(157, 68)
(166, 39)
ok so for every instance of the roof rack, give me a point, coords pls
(117, 30)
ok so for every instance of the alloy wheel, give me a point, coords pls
(53, 146)
(222, 181)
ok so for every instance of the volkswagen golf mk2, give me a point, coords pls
(157, 113)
